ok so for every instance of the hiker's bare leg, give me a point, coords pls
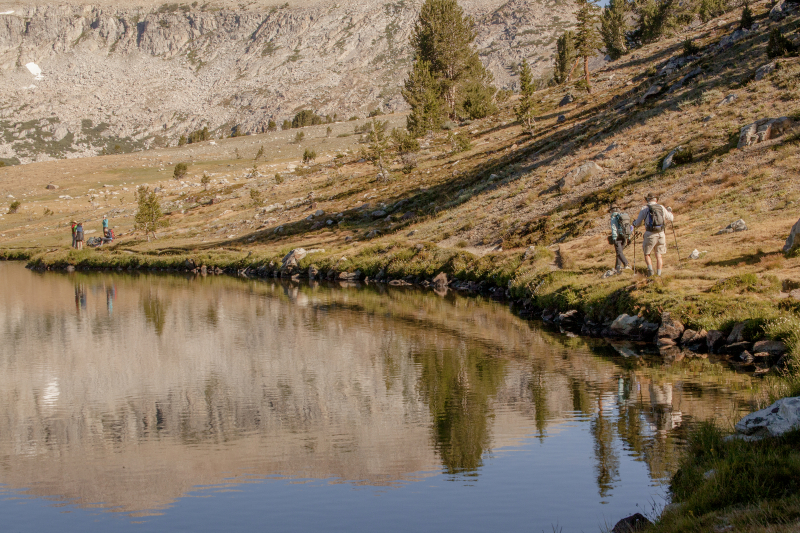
(649, 262)
(659, 261)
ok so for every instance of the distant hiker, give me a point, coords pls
(105, 225)
(655, 217)
(79, 236)
(620, 236)
(74, 225)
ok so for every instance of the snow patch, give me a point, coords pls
(34, 69)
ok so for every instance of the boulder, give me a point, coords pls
(695, 341)
(570, 319)
(561, 119)
(440, 280)
(715, 339)
(773, 348)
(291, 259)
(624, 325)
(313, 272)
(692, 74)
(632, 524)
(696, 254)
(763, 130)
(739, 225)
(745, 358)
(350, 276)
(670, 328)
(764, 70)
(651, 93)
(737, 333)
(379, 213)
(579, 174)
(568, 99)
(777, 419)
(51, 186)
(664, 342)
(731, 98)
(780, 10)
(793, 241)
(670, 159)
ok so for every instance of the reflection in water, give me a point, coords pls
(163, 384)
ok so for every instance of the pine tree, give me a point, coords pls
(587, 39)
(421, 92)
(525, 109)
(565, 55)
(442, 42)
(378, 145)
(149, 216)
(746, 22)
(613, 28)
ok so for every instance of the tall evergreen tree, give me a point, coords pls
(613, 28)
(587, 39)
(565, 55)
(442, 42)
(525, 109)
(421, 92)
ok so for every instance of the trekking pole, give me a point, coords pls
(634, 253)
(680, 260)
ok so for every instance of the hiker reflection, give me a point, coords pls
(80, 296)
(111, 295)
(664, 417)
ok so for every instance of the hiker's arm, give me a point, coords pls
(640, 218)
(668, 214)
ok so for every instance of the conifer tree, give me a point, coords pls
(746, 21)
(149, 216)
(565, 56)
(613, 28)
(421, 92)
(442, 42)
(525, 108)
(378, 146)
(587, 39)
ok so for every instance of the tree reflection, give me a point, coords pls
(155, 312)
(457, 389)
(602, 429)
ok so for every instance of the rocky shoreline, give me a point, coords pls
(740, 347)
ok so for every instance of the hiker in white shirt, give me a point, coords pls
(655, 217)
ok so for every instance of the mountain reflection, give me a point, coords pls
(161, 384)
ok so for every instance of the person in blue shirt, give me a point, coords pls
(618, 239)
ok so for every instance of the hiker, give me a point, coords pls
(655, 217)
(74, 225)
(105, 225)
(79, 236)
(620, 236)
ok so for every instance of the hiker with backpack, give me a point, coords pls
(655, 217)
(79, 236)
(620, 237)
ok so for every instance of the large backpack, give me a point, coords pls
(655, 221)
(624, 224)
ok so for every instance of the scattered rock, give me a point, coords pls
(670, 328)
(727, 100)
(781, 10)
(373, 233)
(695, 341)
(715, 339)
(737, 333)
(579, 174)
(633, 327)
(777, 419)
(291, 259)
(350, 276)
(697, 254)
(632, 524)
(763, 130)
(733, 227)
(670, 159)
(440, 281)
(793, 241)
(530, 253)
(568, 99)
(764, 70)
(378, 214)
(319, 213)
(561, 119)
(736, 349)
(680, 83)
(313, 272)
(709, 118)
(51, 186)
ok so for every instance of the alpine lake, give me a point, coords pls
(160, 402)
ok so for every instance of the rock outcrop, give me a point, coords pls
(777, 419)
(793, 240)
(763, 130)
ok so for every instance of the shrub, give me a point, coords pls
(779, 45)
(287, 125)
(182, 140)
(459, 142)
(260, 153)
(298, 138)
(149, 216)
(353, 118)
(199, 135)
(180, 171)
(309, 156)
(47, 212)
(205, 180)
(256, 197)
(14, 207)
(328, 131)
(690, 48)
(375, 113)
(272, 126)
(404, 142)
(684, 156)
(278, 179)
(306, 117)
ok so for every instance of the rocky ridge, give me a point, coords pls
(83, 80)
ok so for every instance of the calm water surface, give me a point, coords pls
(161, 403)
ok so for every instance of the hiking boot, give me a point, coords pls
(628, 267)
(650, 273)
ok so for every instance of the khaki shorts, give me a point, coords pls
(654, 240)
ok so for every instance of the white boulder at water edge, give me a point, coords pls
(777, 419)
